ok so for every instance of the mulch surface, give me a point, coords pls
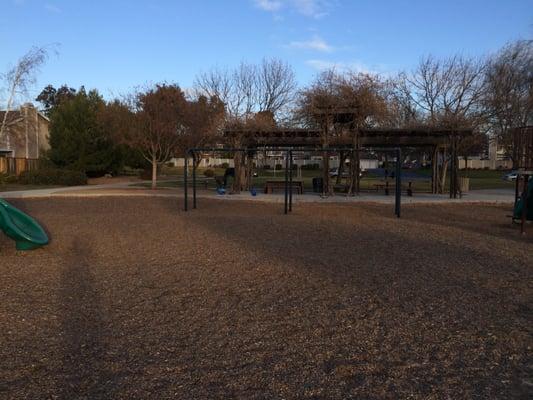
(134, 299)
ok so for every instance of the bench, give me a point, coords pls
(270, 186)
(391, 186)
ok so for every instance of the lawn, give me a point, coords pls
(11, 187)
(134, 299)
(479, 179)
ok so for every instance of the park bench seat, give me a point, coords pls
(270, 186)
(387, 187)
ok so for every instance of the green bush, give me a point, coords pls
(6, 178)
(209, 173)
(224, 165)
(52, 176)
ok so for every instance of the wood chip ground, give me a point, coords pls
(134, 299)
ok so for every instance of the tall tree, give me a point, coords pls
(250, 88)
(362, 105)
(77, 138)
(18, 80)
(153, 122)
(509, 96)
(317, 106)
(247, 91)
(447, 93)
(343, 104)
(203, 119)
(51, 97)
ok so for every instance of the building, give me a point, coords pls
(24, 139)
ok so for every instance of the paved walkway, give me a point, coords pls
(126, 189)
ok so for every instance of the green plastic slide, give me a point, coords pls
(520, 204)
(20, 227)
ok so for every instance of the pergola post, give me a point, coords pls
(286, 182)
(398, 176)
(290, 180)
(185, 194)
(524, 205)
(193, 180)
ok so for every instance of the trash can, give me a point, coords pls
(464, 184)
(318, 185)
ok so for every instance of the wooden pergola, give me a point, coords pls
(394, 137)
(438, 139)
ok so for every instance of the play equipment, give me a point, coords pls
(528, 200)
(20, 227)
(523, 150)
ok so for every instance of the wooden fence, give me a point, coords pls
(15, 166)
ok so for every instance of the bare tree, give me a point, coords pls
(363, 105)
(317, 107)
(249, 88)
(18, 80)
(247, 91)
(203, 120)
(447, 93)
(342, 105)
(509, 96)
(275, 85)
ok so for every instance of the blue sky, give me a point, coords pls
(117, 45)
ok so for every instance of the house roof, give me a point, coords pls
(15, 115)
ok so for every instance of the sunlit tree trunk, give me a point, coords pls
(154, 172)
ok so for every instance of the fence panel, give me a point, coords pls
(15, 166)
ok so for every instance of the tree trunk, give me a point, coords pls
(443, 172)
(248, 171)
(326, 186)
(340, 170)
(435, 170)
(239, 179)
(154, 172)
(327, 189)
(237, 161)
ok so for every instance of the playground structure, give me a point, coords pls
(290, 141)
(19, 226)
(523, 153)
(288, 182)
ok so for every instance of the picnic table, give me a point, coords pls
(386, 186)
(270, 186)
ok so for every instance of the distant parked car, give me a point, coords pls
(511, 176)
(334, 172)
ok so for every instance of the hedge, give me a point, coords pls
(52, 176)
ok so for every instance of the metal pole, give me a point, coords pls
(290, 180)
(193, 180)
(516, 190)
(286, 181)
(524, 205)
(452, 169)
(398, 199)
(185, 167)
(455, 171)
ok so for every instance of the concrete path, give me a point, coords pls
(126, 189)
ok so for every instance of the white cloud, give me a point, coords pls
(315, 43)
(268, 5)
(309, 8)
